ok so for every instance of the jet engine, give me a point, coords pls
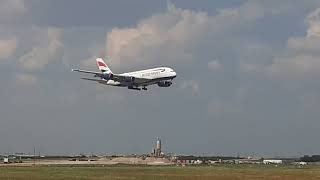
(129, 79)
(107, 76)
(164, 83)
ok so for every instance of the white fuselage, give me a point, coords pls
(150, 76)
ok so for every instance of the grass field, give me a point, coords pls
(223, 172)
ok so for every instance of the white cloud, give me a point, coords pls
(9, 8)
(89, 63)
(26, 79)
(300, 65)
(54, 36)
(40, 56)
(313, 21)
(310, 43)
(37, 58)
(171, 36)
(95, 51)
(304, 57)
(7, 48)
(12, 12)
(312, 40)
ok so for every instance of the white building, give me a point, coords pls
(272, 161)
(301, 163)
(198, 162)
(213, 162)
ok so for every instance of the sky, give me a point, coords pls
(247, 84)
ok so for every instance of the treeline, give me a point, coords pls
(313, 158)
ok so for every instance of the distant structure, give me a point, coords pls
(272, 161)
(157, 152)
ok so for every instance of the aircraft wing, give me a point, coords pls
(115, 77)
(124, 78)
(96, 74)
(96, 80)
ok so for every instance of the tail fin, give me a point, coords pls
(103, 67)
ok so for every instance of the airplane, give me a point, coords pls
(162, 76)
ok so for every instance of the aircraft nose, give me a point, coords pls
(174, 74)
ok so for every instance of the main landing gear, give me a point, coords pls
(136, 88)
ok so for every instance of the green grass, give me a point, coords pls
(223, 172)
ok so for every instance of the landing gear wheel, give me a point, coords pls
(144, 88)
(135, 88)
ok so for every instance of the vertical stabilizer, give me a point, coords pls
(103, 67)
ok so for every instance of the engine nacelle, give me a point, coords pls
(129, 79)
(107, 76)
(164, 83)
